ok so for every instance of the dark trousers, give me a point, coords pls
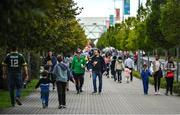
(61, 89)
(131, 77)
(79, 79)
(145, 85)
(157, 82)
(113, 73)
(107, 70)
(119, 76)
(15, 82)
(45, 98)
(52, 78)
(95, 74)
(169, 86)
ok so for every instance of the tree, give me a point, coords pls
(170, 22)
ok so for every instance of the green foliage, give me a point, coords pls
(170, 21)
(156, 26)
(40, 25)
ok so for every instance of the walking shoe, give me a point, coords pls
(166, 94)
(155, 93)
(63, 106)
(81, 90)
(60, 107)
(18, 101)
(44, 106)
(159, 93)
(94, 92)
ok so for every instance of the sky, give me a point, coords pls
(103, 8)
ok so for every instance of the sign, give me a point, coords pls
(117, 15)
(126, 7)
(111, 20)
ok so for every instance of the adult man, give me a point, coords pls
(78, 68)
(12, 68)
(97, 70)
(129, 63)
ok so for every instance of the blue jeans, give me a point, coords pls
(95, 74)
(15, 81)
(45, 98)
(145, 85)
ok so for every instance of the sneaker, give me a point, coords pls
(166, 94)
(60, 107)
(159, 93)
(155, 93)
(63, 106)
(94, 92)
(81, 90)
(18, 101)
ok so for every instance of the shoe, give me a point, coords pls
(60, 107)
(171, 93)
(94, 92)
(53, 88)
(166, 94)
(81, 90)
(63, 106)
(78, 92)
(18, 101)
(159, 93)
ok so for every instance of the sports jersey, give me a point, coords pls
(14, 62)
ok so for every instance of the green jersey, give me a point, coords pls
(14, 61)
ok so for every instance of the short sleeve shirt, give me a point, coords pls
(14, 62)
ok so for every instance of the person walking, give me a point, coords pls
(145, 73)
(12, 69)
(61, 73)
(113, 71)
(170, 69)
(157, 74)
(78, 68)
(43, 83)
(129, 63)
(50, 62)
(119, 67)
(97, 70)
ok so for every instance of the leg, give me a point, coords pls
(131, 77)
(63, 93)
(59, 90)
(46, 99)
(171, 85)
(100, 81)
(81, 82)
(159, 82)
(118, 75)
(144, 87)
(76, 83)
(94, 81)
(155, 83)
(43, 99)
(167, 86)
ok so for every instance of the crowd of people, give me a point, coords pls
(59, 70)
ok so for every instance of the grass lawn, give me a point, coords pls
(5, 98)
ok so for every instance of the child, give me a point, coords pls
(127, 73)
(145, 78)
(44, 86)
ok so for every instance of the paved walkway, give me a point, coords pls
(116, 99)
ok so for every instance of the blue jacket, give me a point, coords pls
(145, 73)
(61, 72)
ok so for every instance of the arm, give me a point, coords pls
(38, 84)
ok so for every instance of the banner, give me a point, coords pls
(126, 7)
(111, 20)
(117, 14)
(107, 24)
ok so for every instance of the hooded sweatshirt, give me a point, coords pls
(119, 65)
(61, 72)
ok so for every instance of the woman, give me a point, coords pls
(170, 69)
(157, 74)
(61, 73)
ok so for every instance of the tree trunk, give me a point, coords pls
(29, 64)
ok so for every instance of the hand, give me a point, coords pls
(26, 78)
